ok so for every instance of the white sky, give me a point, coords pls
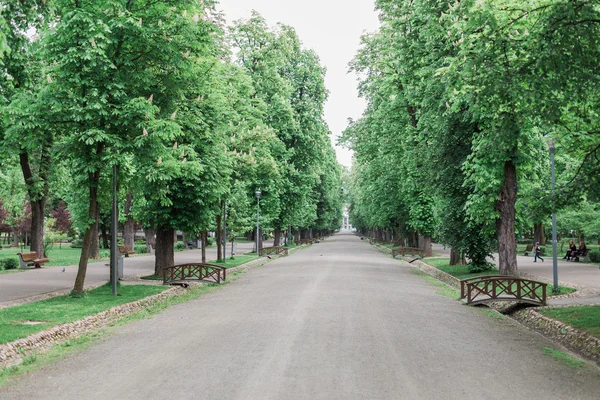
(332, 28)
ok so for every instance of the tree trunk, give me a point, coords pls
(538, 234)
(37, 197)
(129, 226)
(164, 254)
(93, 179)
(15, 238)
(150, 233)
(219, 233)
(95, 240)
(203, 236)
(276, 236)
(425, 244)
(456, 258)
(37, 226)
(505, 224)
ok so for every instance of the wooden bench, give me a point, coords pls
(31, 258)
(124, 252)
(402, 251)
(585, 257)
(528, 249)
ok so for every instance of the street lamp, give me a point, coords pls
(555, 290)
(257, 219)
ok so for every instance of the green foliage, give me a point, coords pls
(179, 246)
(9, 263)
(595, 256)
(140, 248)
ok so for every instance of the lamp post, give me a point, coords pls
(113, 248)
(552, 149)
(257, 219)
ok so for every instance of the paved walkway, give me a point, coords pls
(337, 320)
(35, 282)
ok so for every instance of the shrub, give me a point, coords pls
(140, 248)
(211, 241)
(77, 243)
(9, 263)
(595, 256)
(179, 246)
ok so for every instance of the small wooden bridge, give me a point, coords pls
(485, 289)
(301, 242)
(275, 250)
(402, 251)
(178, 274)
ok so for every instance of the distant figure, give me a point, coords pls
(537, 252)
(571, 252)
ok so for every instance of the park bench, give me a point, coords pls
(403, 251)
(31, 258)
(492, 288)
(123, 252)
(275, 250)
(584, 257)
(528, 249)
(179, 274)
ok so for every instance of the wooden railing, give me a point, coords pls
(402, 251)
(197, 271)
(491, 288)
(275, 250)
(301, 242)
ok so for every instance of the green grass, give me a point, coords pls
(59, 257)
(236, 261)
(585, 318)
(442, 288)
(564, 358)
(462, 272)
(64, 309)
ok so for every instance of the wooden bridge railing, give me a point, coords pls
(490, 288)
(402, 251)
(275, 250)
(197, 271)
(301, 242)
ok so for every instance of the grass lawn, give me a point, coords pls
(59, 257)
(462, 272)
(64, 309)
(236, 261)
(585, 318)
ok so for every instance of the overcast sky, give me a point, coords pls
(332, 28)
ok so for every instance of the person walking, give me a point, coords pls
(538, 251)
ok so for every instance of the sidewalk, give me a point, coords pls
(42, 281)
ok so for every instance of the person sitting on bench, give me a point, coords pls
(571, 252)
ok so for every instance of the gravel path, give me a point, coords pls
(338, 320)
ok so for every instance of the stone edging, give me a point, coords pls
(578, 341)
(572, 338)
(12, 353)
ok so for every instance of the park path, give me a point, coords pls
(35, 282)
(338, 320)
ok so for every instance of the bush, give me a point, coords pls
(211, 241)
(179, 246)
(77, 244)
(595, 256)
(140, 248)
(9, 263)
